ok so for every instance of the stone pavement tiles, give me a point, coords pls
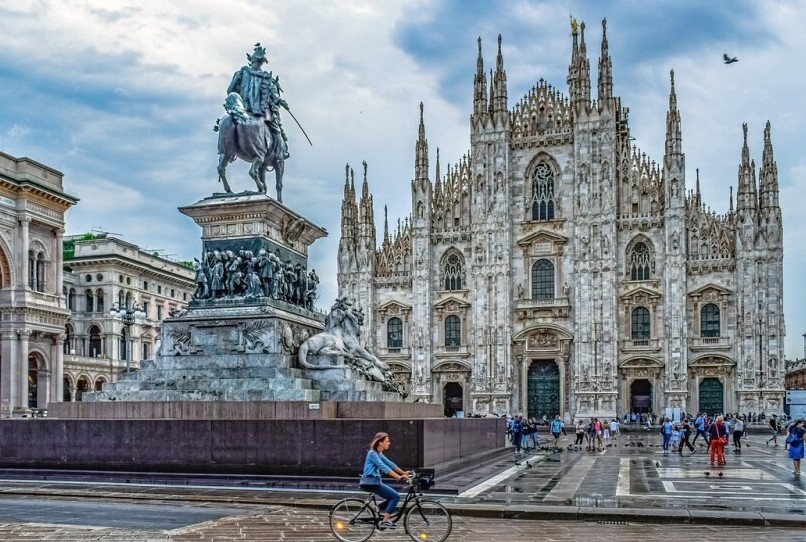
(629, 475)
(305, 525)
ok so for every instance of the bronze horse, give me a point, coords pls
(240, 135)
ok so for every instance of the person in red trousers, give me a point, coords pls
(719, 437)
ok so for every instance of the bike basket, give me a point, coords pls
(425, 479)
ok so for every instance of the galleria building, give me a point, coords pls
(556, 269)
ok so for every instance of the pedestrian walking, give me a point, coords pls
(580, 434)
(615, 429)
(556, 429)
(666, 431)
(719, 437)
(795, 439)
(774, 431)
(738, 431)
(699, 424)
(684, 439)
(674, 441)
(517, 435)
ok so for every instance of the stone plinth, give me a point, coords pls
(238, 352)
(253, 222)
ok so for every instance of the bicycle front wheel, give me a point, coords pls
(351, 520)
(428, 521)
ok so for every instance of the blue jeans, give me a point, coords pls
(391, 498)
(666, 438)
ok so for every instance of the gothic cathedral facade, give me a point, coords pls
(556, 269)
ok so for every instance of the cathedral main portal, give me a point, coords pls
(543, 394)
(712, 396)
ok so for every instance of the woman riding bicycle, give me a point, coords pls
(375, 465)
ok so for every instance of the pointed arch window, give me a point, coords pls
(453, 272)
(543, 193)
(543, 280)
(709, 321)
(453, 332)
(640, 326)
(640, 261)
(394, 333)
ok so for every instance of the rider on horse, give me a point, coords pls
(260, 92)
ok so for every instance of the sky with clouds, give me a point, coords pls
(122, 97)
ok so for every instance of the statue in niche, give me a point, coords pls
(340, 338)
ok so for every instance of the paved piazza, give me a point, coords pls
(627, 475)
(295, 524)
(636, 490)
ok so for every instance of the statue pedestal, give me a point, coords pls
(251, 221)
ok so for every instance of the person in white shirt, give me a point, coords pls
(614, 429)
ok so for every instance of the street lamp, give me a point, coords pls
(128, 316)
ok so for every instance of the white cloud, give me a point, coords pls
(133, 90)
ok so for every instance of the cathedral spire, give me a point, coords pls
(479, 86)
(698, 195)
(421, 152)
(605, 70)
(437, 181)
(730, 209)
(579, 70)
(746, 192)
(366, 213)
(674, 137)
(385, 225)
(769, 173)
(498, 101)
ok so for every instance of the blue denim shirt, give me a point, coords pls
(377, 464)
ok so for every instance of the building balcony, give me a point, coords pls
(402, 352)
(640, 345)
(460, 351)
(532, 308)
(709, 343)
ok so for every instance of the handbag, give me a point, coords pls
(369, 480)
(790, 438)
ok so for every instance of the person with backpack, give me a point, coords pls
(699, 425)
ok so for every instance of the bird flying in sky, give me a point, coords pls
(728, 59)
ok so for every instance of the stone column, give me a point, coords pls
(8, 366)
(56, 278)
(22, 382)
(57, 369)
(23, 253)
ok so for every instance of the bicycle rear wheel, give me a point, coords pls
(428, 521)
(351, 520)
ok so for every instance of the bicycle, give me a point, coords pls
(355, 520)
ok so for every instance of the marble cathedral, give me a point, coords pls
(556, 269)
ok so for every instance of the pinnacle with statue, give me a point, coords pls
(252, 129)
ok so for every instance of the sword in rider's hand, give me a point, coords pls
(298, 124)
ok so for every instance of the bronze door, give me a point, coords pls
(711, 396)
(543, 392)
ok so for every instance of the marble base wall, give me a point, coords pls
(289, 447)
(247, 410)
